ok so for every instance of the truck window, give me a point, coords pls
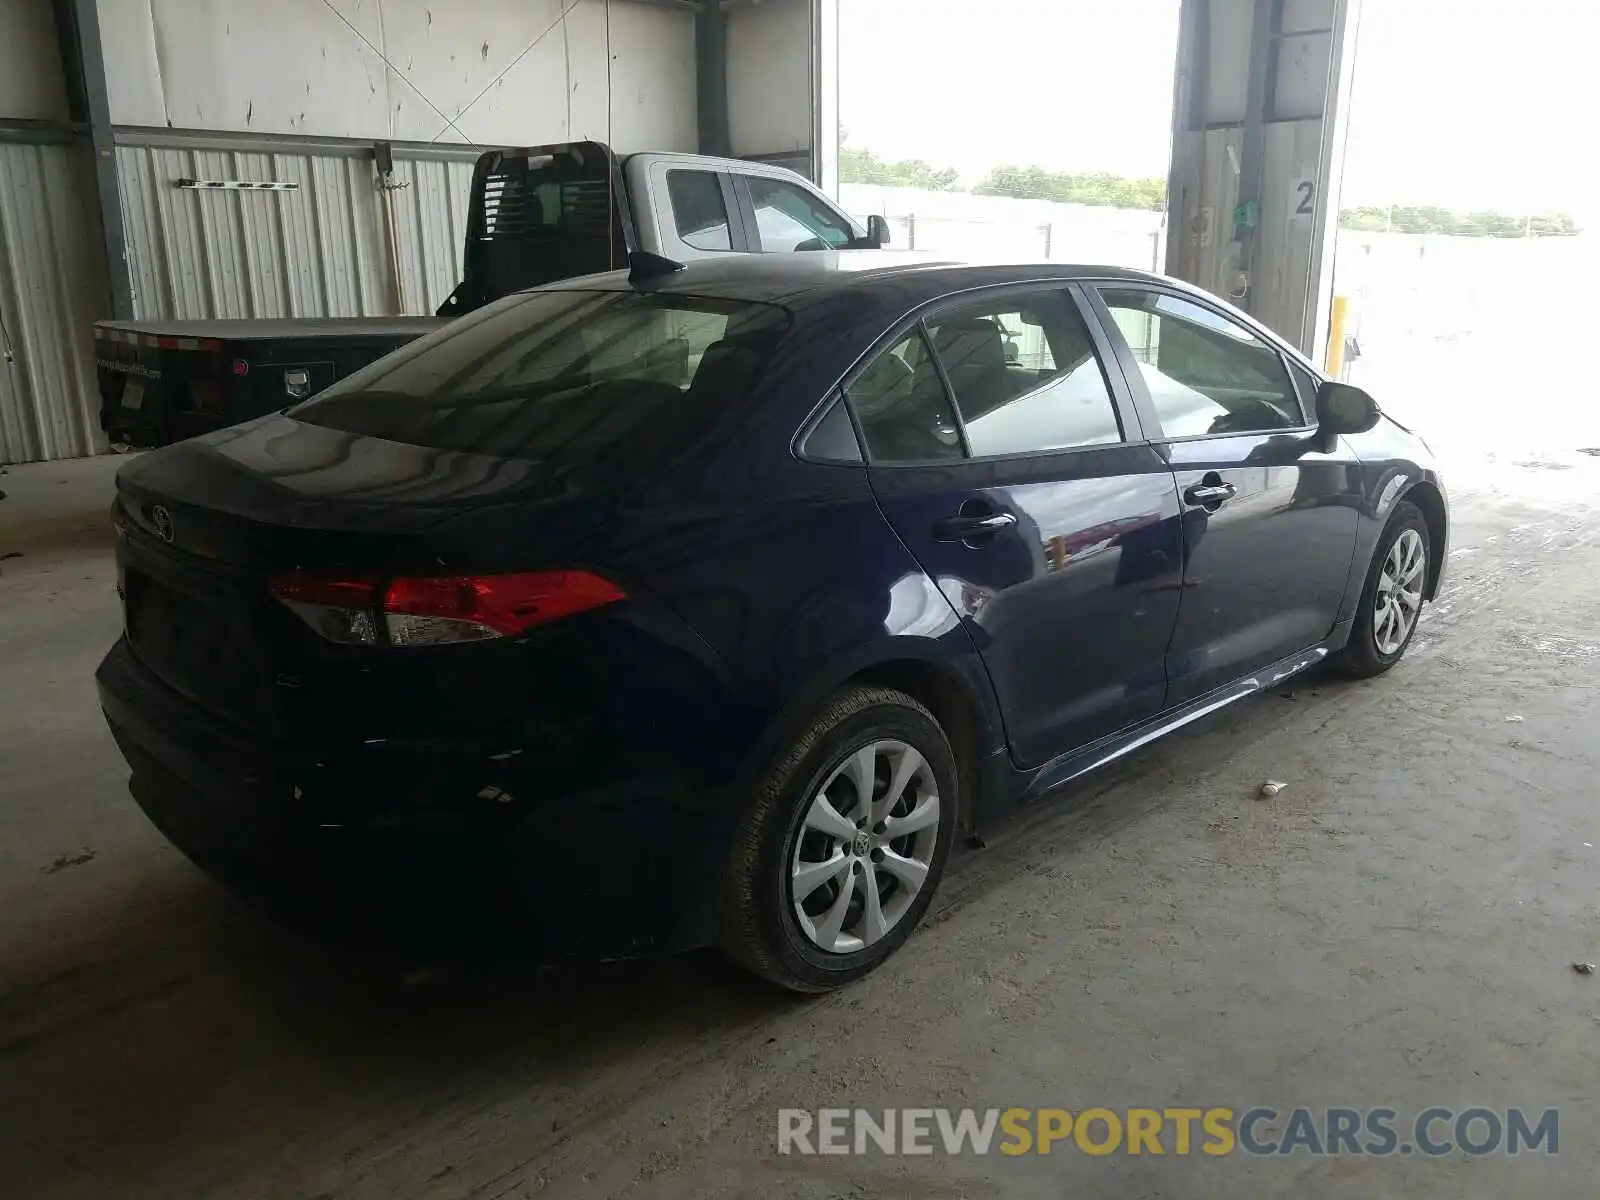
(789, 217)
(698, 209)
(563, 378)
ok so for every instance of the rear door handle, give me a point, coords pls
(1209, 495)
(970, 528)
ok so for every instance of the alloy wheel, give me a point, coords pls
(865, 846)
(1399, 596)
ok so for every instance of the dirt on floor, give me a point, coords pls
(1396, 928)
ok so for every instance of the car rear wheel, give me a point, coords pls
(1391, 601)
(839, 857)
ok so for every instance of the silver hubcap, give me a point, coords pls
(864, 850)
(1399, 597)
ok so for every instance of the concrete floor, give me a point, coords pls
(1397, 928)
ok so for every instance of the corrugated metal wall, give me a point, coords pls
(322, 250)
(52, 289)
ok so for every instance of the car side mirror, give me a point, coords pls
(878, 230)
(1345, 409)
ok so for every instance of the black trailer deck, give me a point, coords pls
(165, 380)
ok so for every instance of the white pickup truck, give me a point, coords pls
(535, 215)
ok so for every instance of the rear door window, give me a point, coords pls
(563, 377)
(905, 413)
(699, 209)
(1025, 375)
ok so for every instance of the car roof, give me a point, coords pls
(814, 275)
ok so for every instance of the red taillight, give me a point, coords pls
(507, 604)
(431, 610)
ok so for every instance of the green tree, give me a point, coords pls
(863, 166)
(1104, 189)
(1403, 218)
(1099, 188)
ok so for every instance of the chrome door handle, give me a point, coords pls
(1209, 495)
(964, 528)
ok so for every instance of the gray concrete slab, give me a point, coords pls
(1396, 929)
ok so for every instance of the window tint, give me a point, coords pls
(1206, 374)
(1025, 375)
(610, 380)
(698, 209)
(904, 411)
(833, 439)
(791, 218)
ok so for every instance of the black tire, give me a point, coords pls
(760, 929)
(1361, 658)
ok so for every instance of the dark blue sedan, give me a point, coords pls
(711, 605)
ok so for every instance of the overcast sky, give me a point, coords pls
(1464, 103)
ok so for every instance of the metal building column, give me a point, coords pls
(1265, 22)
(825, 95)
(1259, 117)
(711, 79)
(83, 59)
(1316, 326)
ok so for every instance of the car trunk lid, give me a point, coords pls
(206, 525)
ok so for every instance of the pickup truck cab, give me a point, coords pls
(535, 215)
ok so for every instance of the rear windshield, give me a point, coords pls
(562, 377)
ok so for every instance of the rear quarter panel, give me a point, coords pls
(799, 595)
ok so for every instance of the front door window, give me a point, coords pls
(1207, 375)
(789, 217)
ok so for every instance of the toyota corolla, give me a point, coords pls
(705, 606)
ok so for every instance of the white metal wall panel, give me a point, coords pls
(52, 289)
(769, 78)
(322, 250)
(506, 72)
(430, 219)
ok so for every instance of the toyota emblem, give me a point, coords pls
(162, 520)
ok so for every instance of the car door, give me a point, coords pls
(1269, 515)
(701, 217)
(1017, 475)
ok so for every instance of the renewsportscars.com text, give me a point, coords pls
(1216, 1132)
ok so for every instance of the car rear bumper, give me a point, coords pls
(444, 843)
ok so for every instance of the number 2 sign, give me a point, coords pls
(1303, 198)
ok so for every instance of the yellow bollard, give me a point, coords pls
(1336, 324)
